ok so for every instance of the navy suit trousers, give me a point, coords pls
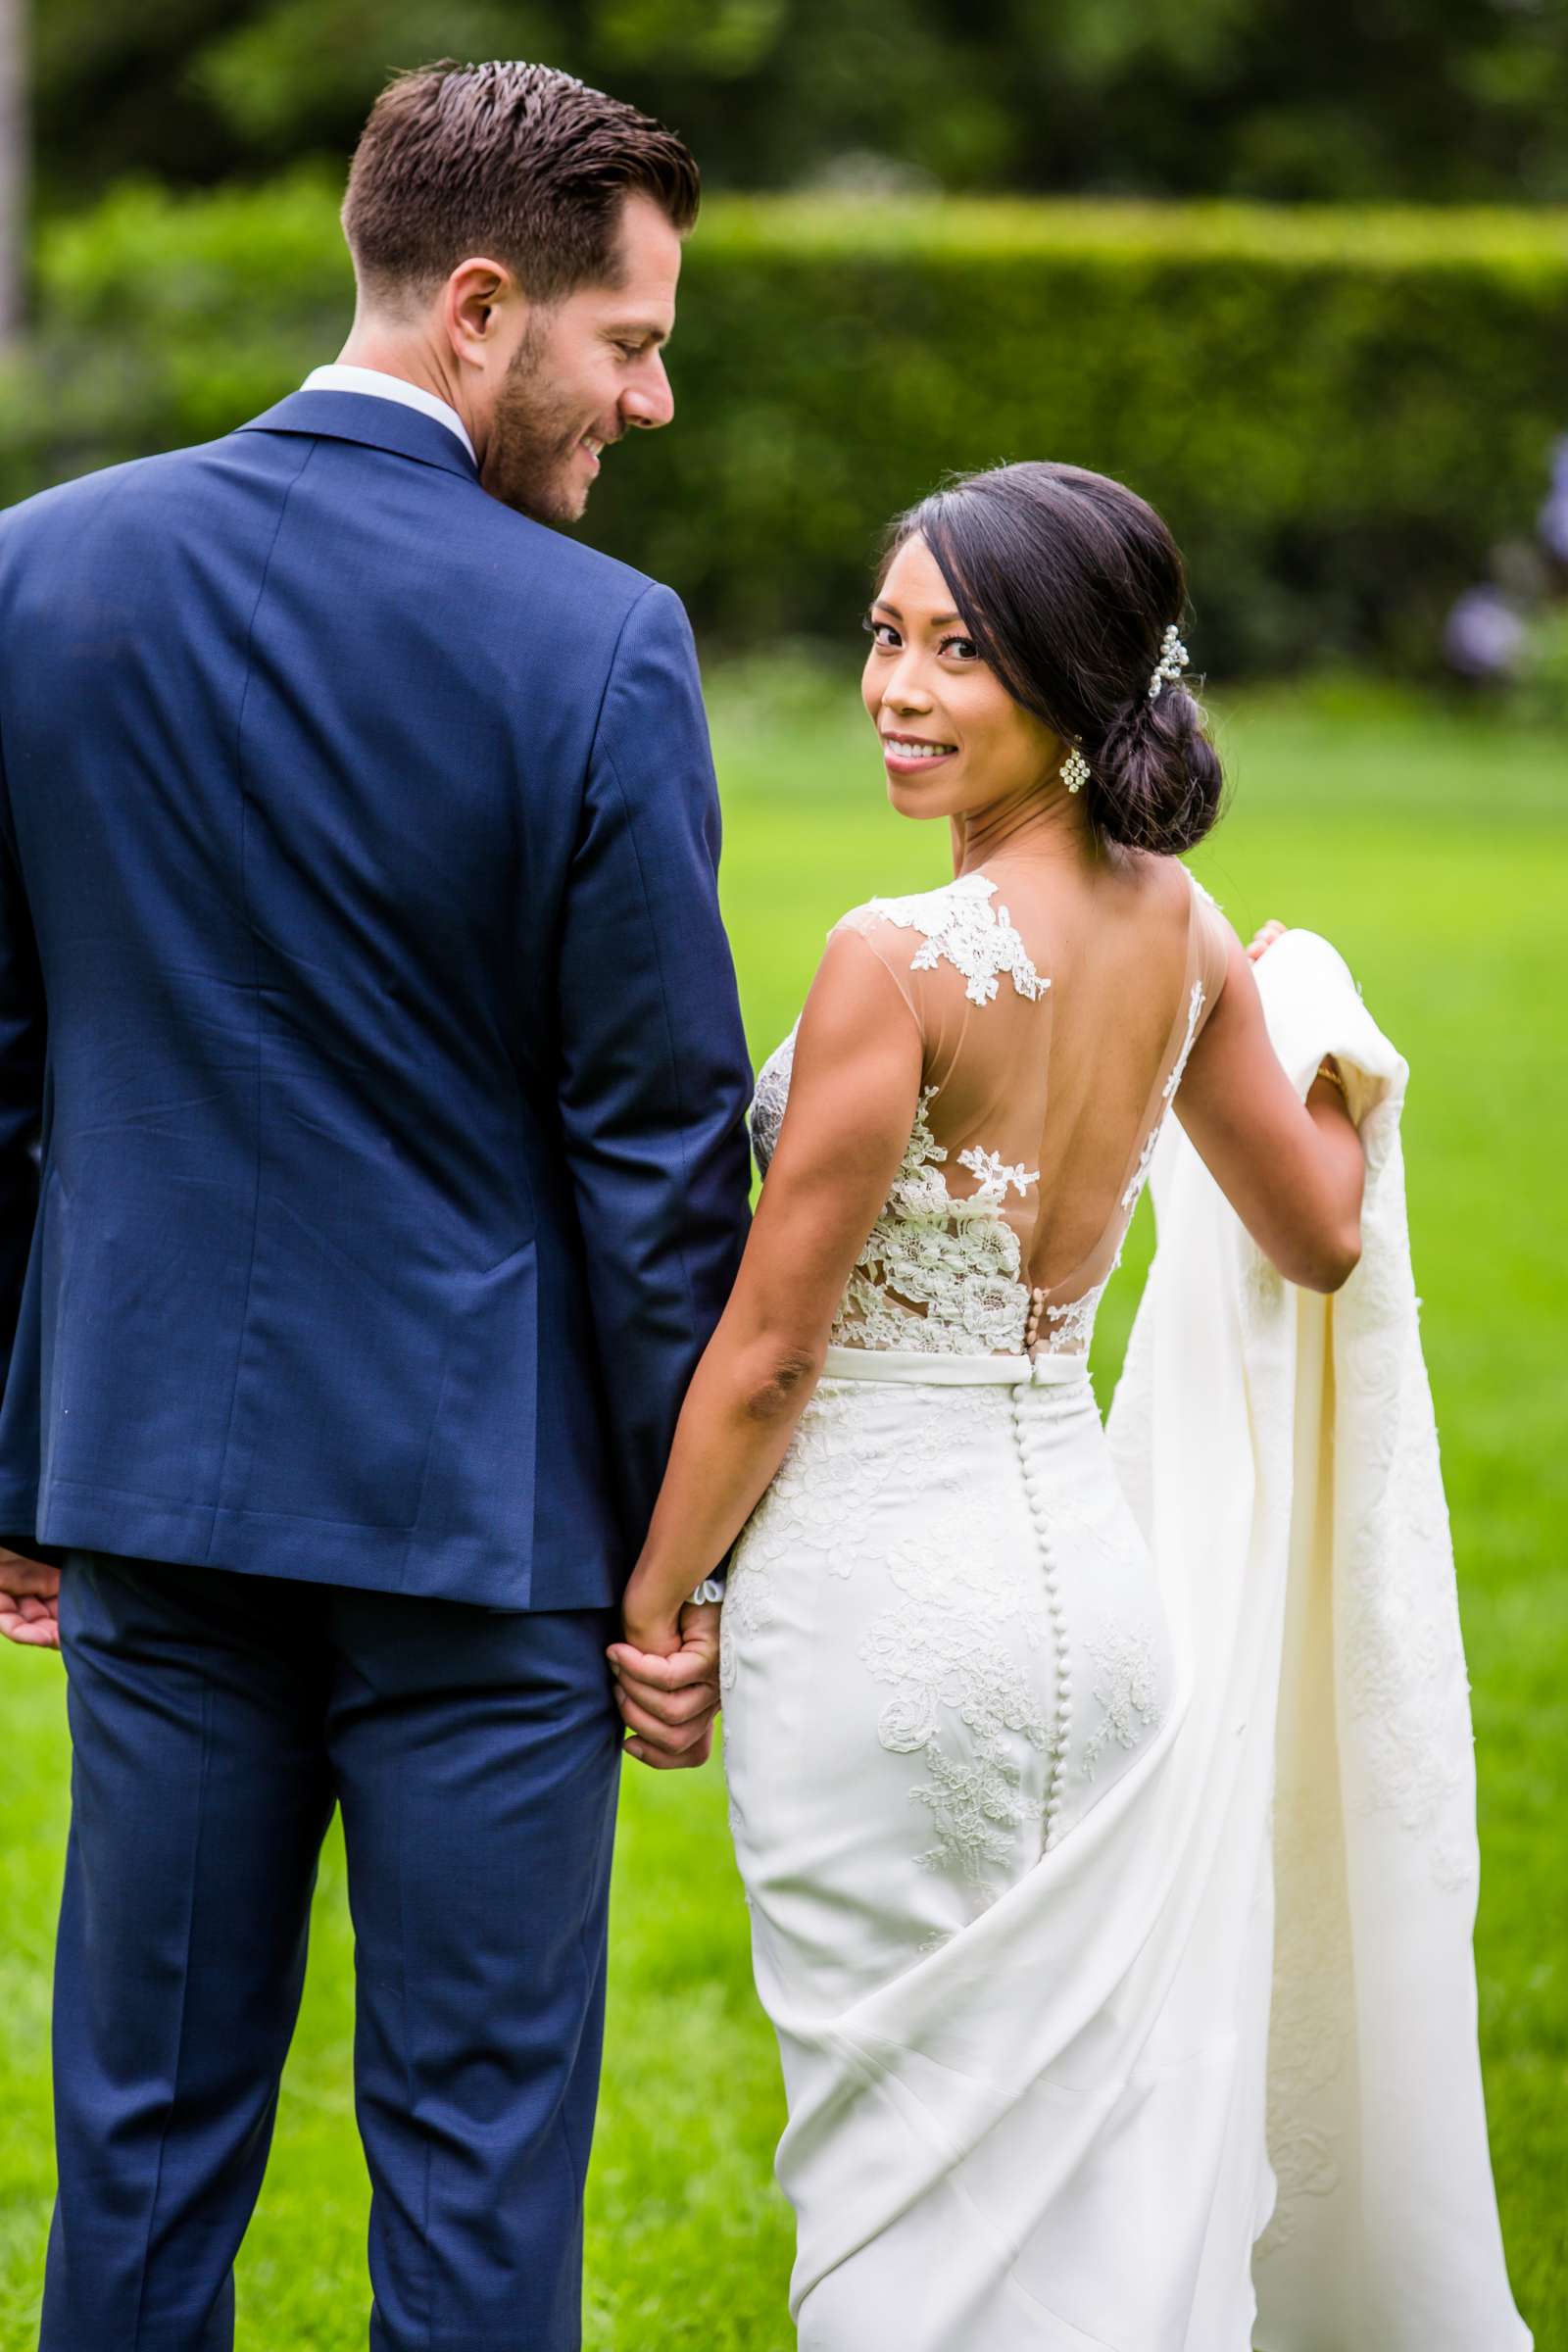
(215, 1719)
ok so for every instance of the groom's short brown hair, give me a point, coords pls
(519, 163)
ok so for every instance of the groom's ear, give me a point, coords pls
(485, 314)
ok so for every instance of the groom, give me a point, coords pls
(362, 977)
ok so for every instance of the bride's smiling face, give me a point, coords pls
(954, 743)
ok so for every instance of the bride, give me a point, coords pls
(1004, 1847)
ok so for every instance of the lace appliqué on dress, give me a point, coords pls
(1398, 1632)
(824, 1500)
(1126, 1691)
(1140, 1174)
(1313, 2001)
(997, 1177)
(771, 1098)
(1072, 1327)
(958, 922)
(951, 1650)
(938, 1274)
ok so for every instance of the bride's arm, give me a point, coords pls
(853, 1095)
(1291, 1171)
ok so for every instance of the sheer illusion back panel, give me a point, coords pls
(1056, 1015)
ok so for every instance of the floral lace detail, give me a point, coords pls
(826, 1491)
(965, 1415)
(823, 1498)
(1140, 1174)
(748, 1612)
(954, 1653)
(1398, 1635)
(938, 1274)
(959, 923)
(996, 1178)
(770, 1098)
(1312, 2004)
(1127, 1691)
(1072, 1327)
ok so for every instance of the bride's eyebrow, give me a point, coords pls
(939, 620)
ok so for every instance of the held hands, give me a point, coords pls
(1263, 940)
(29, 1601)
(667, 1683)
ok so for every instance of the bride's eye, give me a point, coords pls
(968, 650)
(882, 632)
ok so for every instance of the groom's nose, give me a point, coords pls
(649, 401)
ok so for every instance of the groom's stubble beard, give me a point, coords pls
(534, 436)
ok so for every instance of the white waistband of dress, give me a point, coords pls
(953, 1371)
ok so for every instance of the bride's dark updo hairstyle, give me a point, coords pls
(1067, 582)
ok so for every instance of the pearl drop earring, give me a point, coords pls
(1075, 770)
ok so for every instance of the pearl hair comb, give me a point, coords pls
(1173, 660)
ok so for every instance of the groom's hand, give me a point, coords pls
(29, 1601)
(668, 1697)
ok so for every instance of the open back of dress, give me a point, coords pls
(1055, 1018)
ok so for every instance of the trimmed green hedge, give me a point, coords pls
(1339, 412)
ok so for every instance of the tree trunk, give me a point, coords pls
(12, 167)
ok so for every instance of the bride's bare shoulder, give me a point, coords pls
(1147, 889)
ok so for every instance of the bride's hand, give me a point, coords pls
(1265, 939)
(667, 1684)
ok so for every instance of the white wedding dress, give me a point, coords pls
(1001, 1767)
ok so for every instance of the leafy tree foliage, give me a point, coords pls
(1427, 100)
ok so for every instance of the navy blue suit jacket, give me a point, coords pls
(362, 979)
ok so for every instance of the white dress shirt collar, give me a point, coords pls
(338, 378)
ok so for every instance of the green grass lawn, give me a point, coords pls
(1430, 846)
